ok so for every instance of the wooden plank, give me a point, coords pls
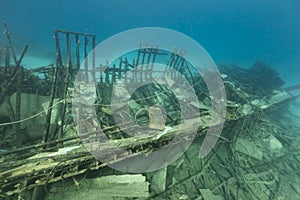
(105, 187)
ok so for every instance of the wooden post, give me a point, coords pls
(138, 56)
(14, 76)
(77, 41)
(154, 57)
(94, 59)
(53, 90)
(10, 42)
(120, 68)
(133, 71)
(58, 51)
(69, 60)
(86, 63)
(126, 69)
(176, 66)
(101, 73)
(18, 105)
(149, 57)
(146, 71)
(143, 62)
(179, 70)
(6, 58)
(48, 117)
(17, 74)
(186, 66)
(170, 63)
(114, 73)
(65, 83)
(106, 73)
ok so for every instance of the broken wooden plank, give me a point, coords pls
(105, 187)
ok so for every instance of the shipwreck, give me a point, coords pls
(42, 156)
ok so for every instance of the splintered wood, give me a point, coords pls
(106, 187)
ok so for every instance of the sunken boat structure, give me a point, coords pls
(42, 155)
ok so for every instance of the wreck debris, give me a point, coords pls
(105, 187)
(251, 155)
(248, 148)
(18, 73)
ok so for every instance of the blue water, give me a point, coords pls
(232, 31)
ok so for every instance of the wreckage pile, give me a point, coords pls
(256, 157)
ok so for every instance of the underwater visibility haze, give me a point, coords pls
(87, 113)
(230, 30)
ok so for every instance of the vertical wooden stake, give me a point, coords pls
(126, 69)
(106, 73)
(154, 57)
(101, 73)
(66, 83)
(7, 59)
(49, 110)
(10, 42)
(138, 56)
(114, 73)
(77, 41)
(19, 75)
(53, 90)
(18, 105)
(86, 63)
(120, 68)
(143, 62)
(58, 51)
(94, 59)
